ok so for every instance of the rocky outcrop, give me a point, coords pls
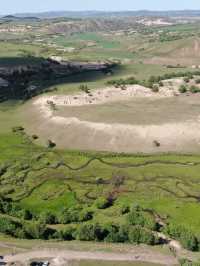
(24, 82)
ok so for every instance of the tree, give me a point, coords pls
(34, 230)
(7, 226)
(102, 203)
(189, 240)
(70, 215)
(123, 233)
(67, 233)
(135, 218)
(134, 234)
(194, 89)
(139, 235)
(48, 218)
(113, 234)
(51, 144)
(186, 237)
(84, 88)
(85, 215)
(182, 89)
(85, 232)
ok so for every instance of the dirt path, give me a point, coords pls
(56, 256)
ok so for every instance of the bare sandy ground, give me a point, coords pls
(61, 257)
(71, 132)
(105, 95)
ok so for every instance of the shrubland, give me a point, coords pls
(47, 193)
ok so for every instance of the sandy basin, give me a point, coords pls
(174, 121)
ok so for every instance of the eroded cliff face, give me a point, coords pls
(24, 82)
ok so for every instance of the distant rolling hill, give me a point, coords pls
(19, 18)
(89, 14)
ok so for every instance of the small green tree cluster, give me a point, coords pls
(74, 215)
(13, 209)
(186, 237)
(25, 229)
(182, 89)
(194, 89)
(84, 88)
(103, 203)
(109, 233)
(137, 217)
(153, 80)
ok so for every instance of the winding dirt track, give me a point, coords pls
(67, 255)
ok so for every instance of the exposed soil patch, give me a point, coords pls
(66, 256)
(137, 111)
(129, 120)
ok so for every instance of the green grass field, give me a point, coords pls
(167, 184)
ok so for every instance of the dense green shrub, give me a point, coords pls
(182, 89)
(134, 234)
(34, 230)
(84, 88)
(8, 226)
(103, 203)
(113, 233)
(124, 209)
(67, 233)
(20, 233)
(187, 239)
(147, 237)
(91, 232)
(123, 233)
(50, 144)
(139, 235)
(85, 215)
(74, 215)
(137, 217)
(13, 209)
(194, 89)
(71, 215)
(48, 218)
(154, 79)
(86, 232)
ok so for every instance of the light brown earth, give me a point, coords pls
(184, 52)
(118, 120)
(61, 257)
